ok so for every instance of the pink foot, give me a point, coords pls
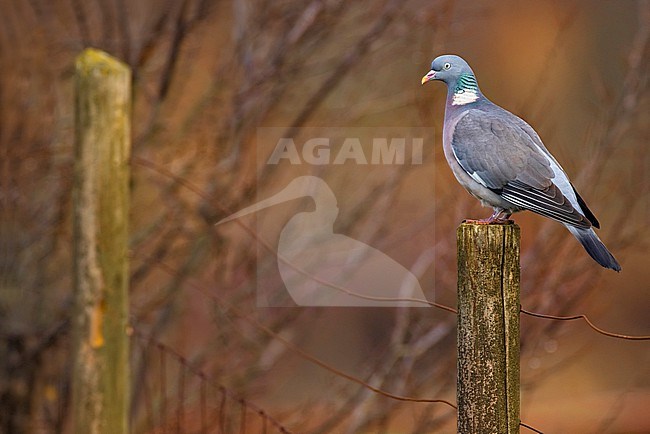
(490, 221)
(498, 218)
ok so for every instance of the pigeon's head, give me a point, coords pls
(447, 68)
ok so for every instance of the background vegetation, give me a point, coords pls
(207, 74)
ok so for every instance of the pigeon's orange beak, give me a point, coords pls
(430, 76)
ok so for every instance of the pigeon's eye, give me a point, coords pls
(446, 66)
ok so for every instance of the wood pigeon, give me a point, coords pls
(501, 160)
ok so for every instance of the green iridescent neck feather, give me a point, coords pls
(466, 82)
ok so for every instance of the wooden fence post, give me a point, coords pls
(488, 329)
(100, 391)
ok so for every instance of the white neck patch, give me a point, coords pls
(466, 96)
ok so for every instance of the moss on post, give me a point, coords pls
(100, 217)
(488, 328)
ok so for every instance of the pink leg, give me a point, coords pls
(499, 217)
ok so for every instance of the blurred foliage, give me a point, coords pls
(207, 75)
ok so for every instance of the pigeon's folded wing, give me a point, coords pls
(497, 153)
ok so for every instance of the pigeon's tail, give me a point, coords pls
(595, 247)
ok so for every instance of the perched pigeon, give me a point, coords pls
(501, 160)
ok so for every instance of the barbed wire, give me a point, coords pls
(195, 189)
(302, 353)
(293, 347)
(190, 186)
(204, 379)
(525, 425)
(589, 323)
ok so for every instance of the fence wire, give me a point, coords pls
(179, 397)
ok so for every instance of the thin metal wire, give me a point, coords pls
(530, 428)
(222, 412)
(181, 399)
(264, 425)
(589, 323)
(146, 392)
(203, 410)
(242, 419)
(205, 381)
(163, 388)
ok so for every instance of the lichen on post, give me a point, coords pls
(488, 328)
(101, 379)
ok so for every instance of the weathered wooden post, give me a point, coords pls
(488, 329)
(101, 377)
